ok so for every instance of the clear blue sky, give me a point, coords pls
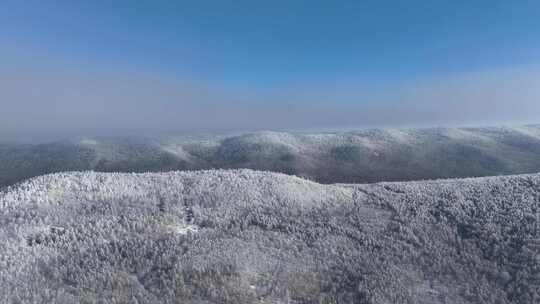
(276, 44)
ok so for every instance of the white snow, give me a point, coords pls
(183, 229)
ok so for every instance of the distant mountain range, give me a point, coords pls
(240, 236)
(347, 157)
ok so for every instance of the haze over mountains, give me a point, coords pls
(346, 157)
(240, 236)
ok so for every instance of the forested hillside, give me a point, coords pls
(346, 157)
(242, 236)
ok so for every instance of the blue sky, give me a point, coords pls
(275, 53)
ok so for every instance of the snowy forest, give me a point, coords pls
(363, 156)
(242, 236)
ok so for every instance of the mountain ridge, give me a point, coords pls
(364, 156)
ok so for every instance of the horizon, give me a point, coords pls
(198, 135)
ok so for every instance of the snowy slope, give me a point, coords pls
(243, 236)
(342, 157)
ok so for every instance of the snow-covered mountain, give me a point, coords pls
(242, 236)
(346, 157)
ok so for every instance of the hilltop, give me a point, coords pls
(242, 236)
